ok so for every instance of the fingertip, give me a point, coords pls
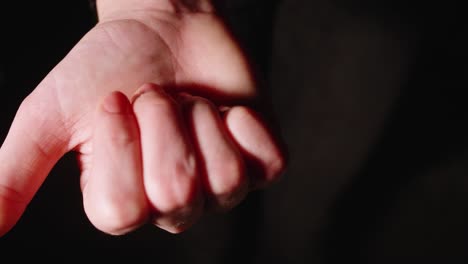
(266, 157)
(116, 103)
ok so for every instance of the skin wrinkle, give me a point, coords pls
(112, 40)
(172, 30)
(155, 58)
(189, 169)
(155, 27)
(170, 27)
(144, 27)
(69, 123)
(54, 87)
(12, 195)
(85, 161)
(9, 192)
(35, 110)
(178, 57)
(110, 36)
(168, 23)
(51, 139)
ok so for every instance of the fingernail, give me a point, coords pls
(116, 103)
(146, 88)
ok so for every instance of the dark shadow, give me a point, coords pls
(252, 23)
(427, 128)
(55, 222)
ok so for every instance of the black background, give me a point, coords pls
(371, 98)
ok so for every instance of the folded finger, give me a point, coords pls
(265, 157)
(224, 178)
(113, 192)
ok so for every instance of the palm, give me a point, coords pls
(123, 54)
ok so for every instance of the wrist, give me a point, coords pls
(112, 9)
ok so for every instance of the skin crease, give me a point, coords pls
(180, 51)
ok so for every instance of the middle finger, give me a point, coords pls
(169, 163)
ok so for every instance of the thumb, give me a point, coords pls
(30, 150)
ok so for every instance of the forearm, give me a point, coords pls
(107, 9)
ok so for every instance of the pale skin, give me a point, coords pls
(139, 98)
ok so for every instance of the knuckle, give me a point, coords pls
(150, 101)
(183, 187)
(231, 177)
(118, 219)
(185, 183)
(179, 221)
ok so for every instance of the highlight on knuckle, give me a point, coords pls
(231, 178)
(185, 182)
(116, 219)
(183, 187)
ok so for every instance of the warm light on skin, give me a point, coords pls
(163, 48)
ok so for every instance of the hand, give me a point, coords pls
(190, 52)
(176, 154)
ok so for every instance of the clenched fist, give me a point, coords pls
(146, 100)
